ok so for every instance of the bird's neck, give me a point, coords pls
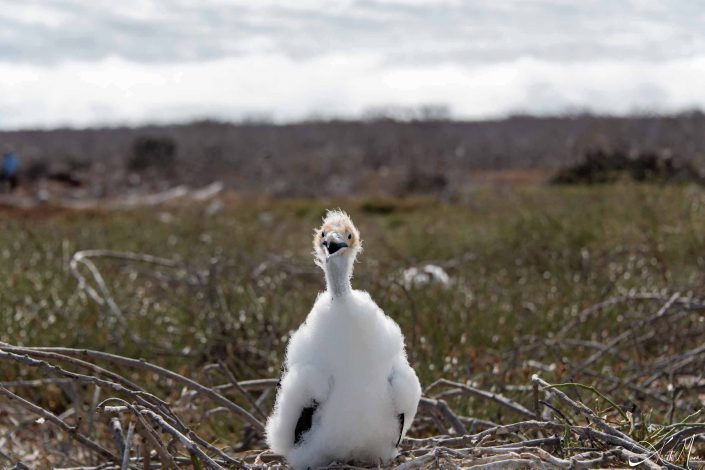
(338, 272)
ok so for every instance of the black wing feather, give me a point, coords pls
(401, 428)
(305, 421)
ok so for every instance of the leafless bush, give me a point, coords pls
(152, 152)
(602, 166)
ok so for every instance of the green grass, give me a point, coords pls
(523, 262)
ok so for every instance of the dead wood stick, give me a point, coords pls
(105, 298)
(624, 383)
(474, 423)
(184, 440)
(166, 458)
(506, 463)
(143, 397)
(628, 444)
(128, 445)
(634, 459)
(626, 334)
(119, 437)
(588, 312)
(526, 452)
(229, 374)
(74, 361)
(471, 439)
(674, 440)
(689, 303)
(177, 423)
(443, 408)
(544, 441)
(146, 451)
(609, 434)
(35, 382)
(416, 463)
(91, 412)
(256, 385)
(70, 430)
(144, 365)
(495, 397)
(128, 256)
(582, 409)
(681, 360)
(102, 299)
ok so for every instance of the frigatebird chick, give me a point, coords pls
(347, 391)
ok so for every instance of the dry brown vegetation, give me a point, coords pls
(342, 158)
(570, 334)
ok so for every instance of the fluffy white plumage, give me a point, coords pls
(346, 362)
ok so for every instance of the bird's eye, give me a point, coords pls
(323, 234)
(349, 236)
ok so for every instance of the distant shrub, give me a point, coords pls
(66, 177)
(386, 205)
(601, 166)
(76, 163)
(64, 171)
(36, 169)
(381, 206)
(418, 181)
(152, 152)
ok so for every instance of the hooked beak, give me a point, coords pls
(333, 243)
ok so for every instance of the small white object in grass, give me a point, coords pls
(425, 275)
(215, 207)
(540, 366)
(346, 380)
(165, 217)
(265, 217)
(43, 195)
(207, 192)
(39, 420)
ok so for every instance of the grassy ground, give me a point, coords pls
(523, 263)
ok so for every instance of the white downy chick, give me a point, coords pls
(347, 391)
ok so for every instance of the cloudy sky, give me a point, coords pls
(98, 62)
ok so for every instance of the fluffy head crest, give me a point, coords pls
(338, 222)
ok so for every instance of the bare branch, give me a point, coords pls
(71, 431)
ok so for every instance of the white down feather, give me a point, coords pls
(349, 357)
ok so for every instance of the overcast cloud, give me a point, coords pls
(87, 62)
